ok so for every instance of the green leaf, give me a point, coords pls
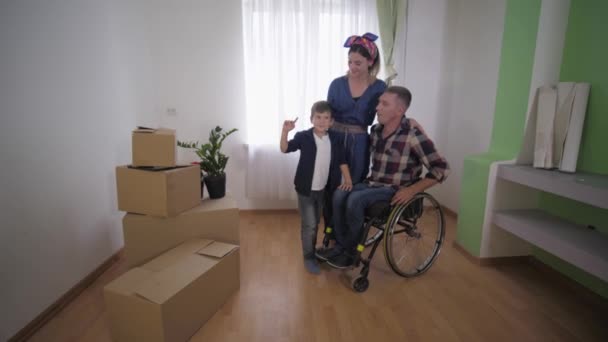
(213, 161)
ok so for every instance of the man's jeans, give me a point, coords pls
(349, 212)
(310, 211)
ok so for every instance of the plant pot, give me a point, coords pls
(202, 187)
(216, 186)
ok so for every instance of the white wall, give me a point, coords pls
(422, 71)
(470, 62)
(550, 40)
(67, 111)
(449, 60)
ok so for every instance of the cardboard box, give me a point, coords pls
(163, 193)
(172, 296)
(153, 147)
(146, 237)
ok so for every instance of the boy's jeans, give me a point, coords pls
(349, 212)
(310, 211)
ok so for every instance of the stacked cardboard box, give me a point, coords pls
(180, 249)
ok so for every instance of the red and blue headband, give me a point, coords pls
(367, 41)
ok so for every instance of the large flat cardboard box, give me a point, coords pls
(163, 193)
(147, 237)
(172, 296)
(153, 147)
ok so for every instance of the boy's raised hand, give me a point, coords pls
(288, 125)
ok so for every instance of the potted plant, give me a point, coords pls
(213, 161)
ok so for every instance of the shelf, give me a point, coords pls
(586, 188)
(580, 246)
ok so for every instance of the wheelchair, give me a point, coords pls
(412, 234)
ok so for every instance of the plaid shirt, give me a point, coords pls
(397, 160)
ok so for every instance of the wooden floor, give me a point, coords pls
(455, 300)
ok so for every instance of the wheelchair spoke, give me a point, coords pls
(413, 253)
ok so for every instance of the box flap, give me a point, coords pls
(129, 282)
(174, 255)
(160, 130)
(181, 168)
(217, 249)
(142, 129)
(163, 285)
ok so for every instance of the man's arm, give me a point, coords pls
(407, 193)
(437, 167)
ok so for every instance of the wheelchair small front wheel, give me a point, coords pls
(361, 284)
(414, 234)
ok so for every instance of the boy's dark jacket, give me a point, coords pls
(305, 142)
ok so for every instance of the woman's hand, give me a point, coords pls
(416, 124)
(346, 186)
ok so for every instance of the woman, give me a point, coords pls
(353, 99)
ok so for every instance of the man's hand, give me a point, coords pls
(288, 125)
(403, 195)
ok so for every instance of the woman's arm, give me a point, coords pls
(347, 181)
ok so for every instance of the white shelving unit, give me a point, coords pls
(586, 188)
(576, 244)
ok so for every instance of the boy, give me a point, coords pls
(321, 162)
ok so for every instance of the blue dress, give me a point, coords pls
(357, 112)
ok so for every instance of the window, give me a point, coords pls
(293, 50)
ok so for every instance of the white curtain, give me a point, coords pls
(293, 50)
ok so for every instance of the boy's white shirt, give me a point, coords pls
(322, 161)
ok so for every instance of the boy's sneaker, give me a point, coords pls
(312, 266)
(325, 254)
(341, 261)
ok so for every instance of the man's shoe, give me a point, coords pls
(341, 261)
(325, 254)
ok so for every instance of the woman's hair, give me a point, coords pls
(360, 49)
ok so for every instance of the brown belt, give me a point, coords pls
(347, 128)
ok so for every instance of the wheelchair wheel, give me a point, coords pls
(360, 284)
(414, 234)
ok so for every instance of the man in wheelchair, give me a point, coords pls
(398, 152)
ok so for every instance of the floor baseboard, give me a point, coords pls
(449, 212)
(494, 261)
(64, 300)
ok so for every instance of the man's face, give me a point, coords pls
(322, 121)
(389, 108)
